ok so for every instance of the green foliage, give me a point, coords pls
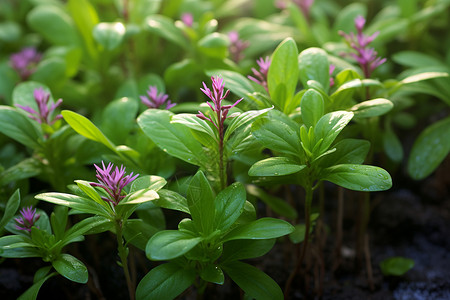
(396, 266)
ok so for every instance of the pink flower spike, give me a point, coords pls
(44, 112)
(113, 181)
(261, 74)
(25, 61)
(155, 100)
(237, 46)
(365, 56)
(27, 219)
(187, 19)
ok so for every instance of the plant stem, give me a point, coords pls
(308, 200)
(338, 245)
(368, 262)
(123, 258)
(222, 171)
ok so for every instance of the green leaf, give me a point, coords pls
(229, 205)
(372, 108)
(396, 266)
(170, 244)
(139, 197)
(254, 282)
(123, 109)
(313, 65)
(86, 128)
(150, 182)
(138, 232)
(353, 85)
(312, 107)
(283, 72)
(96, 224)
(212, 273)
(71, 268)
(32, 292)
(392, 145)
(175, 139)
(348, 151)
(423, 76)
(430, 149)
(195, 123)
(51, 71)
(58, 220)
(11, 208)
(214, 45)
(85, 18)
(243, 119)
(171, 200)
(29, 167)
(54, 24)
(329, 127)
(275, 166)
(264, 228)
(18, 246)
(109, 35)
(165, 282)
(245, 249)
(278, 205)
(415, 59)
(76, 202)
(279, 133)
(19, 127)
(164, 27)
(200, 199)
(90, 191)
(358, 177)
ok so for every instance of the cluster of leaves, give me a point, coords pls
(304, 127)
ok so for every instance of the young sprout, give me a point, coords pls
(27, 219)
(218, 117)
(155, 100)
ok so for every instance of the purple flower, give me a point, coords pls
(237, 46)
(113, 181)
(331, 70)
(187, 19)
(155, 100)
(44, 112)
(25, 61)
(217, 95)
(365, 56)
(27, 219)
(261, 75)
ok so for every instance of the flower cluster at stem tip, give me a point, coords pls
(25, 61)
(365, 56)
(43, 115)
(112, 180)
(237, 46)
(217, 95)
(155, 100)
(261, 74)
(27, 219)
